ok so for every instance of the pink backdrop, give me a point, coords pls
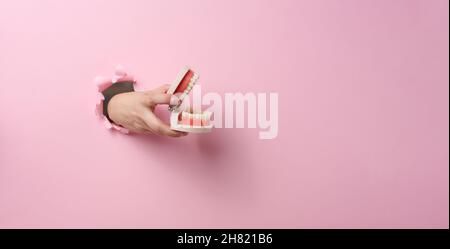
(363, 114)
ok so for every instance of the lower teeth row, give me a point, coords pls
(188, 115)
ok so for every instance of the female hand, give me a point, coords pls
(134, 111)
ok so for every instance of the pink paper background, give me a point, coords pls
(363, 114)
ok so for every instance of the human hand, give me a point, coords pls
(134, 111)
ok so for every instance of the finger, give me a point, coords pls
(156, 126)
(164, 130)
(160, 98)
(141, 129)
(162, 88)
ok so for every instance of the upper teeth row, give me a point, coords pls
(189, 86)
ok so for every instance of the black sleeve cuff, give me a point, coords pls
(113, 90)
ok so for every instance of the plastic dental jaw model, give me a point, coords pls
(184, 119)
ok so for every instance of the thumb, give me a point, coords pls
(156, 126)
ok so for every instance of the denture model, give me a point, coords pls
(183, 119)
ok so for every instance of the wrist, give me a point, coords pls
(107, 89)
(113, 108)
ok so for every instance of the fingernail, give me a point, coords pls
(174, 100)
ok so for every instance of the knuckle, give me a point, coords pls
(150, 101)
(160, 130)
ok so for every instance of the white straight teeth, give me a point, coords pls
(205, 115)
(189, 122)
